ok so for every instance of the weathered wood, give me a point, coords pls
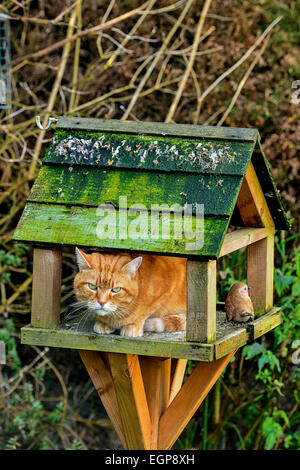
(251, 202)
(188, 399)
(201, 301)
(151, 344)
(77, 226)
(79, 185)
(260, 267)
(46, 287)
(271, 193)
(96, 149)
(131, 398)
(241, 238)
(156, 344)
(136, 399)
(260, 255)
(156, 377)
(177, 376)
(101, 377)
(231, 342)
(263, 324)
(155, 128)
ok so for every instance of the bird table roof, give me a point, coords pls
(91, 162)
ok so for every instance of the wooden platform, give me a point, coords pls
(230, 336)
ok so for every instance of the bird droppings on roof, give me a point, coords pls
(108, 149)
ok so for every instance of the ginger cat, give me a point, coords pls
(132, 293)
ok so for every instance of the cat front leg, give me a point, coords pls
(134, 329)
(102, 329)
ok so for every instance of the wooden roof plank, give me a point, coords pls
(145, 152)
(86, 186)
(78, 225)
(157, 128)
(271, 193)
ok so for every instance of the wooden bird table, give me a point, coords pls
(91, 161)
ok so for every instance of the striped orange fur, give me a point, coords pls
(132, 293)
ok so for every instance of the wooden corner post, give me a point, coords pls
(260, 268)
(201, 301)
(255, 212)
(46, 287)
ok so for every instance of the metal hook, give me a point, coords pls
(38, 123)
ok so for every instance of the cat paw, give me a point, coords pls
(132, 331)
(102, 329)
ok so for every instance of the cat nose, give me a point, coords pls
(102, 301)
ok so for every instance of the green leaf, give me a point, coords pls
(252, 350)
(270, 359)
(271, 431)
(282, 282)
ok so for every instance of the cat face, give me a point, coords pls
(107, 283)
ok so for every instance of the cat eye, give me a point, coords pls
(92, 286)
(116, 289)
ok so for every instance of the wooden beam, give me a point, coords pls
(155, 344)
(177, 376)
(251, 202)
(132, 401)
(81, 218)
(254, 211)
(156, 377)
(241, 238)
(188, 399)
(46, 287)
(231, 342)
(101, 377)
(155, 128)
(260, 266)
(263, 324)
(201, 301)
(167, 346)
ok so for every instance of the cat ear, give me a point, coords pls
(82, 259)
(131, 268)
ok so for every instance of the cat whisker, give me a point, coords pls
(78, 302)
(74, 310)
(119, 314)
(125, 309)
(77, 307)
(84, 319)
(81, 320)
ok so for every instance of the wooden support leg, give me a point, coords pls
(136, 393)
(98, 369)
(177, 375)
(46, 287)
(260, 263)
(156, 376)
(201, 301)
(132, 401)
(188, 399)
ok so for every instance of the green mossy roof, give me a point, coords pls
(93, 161)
